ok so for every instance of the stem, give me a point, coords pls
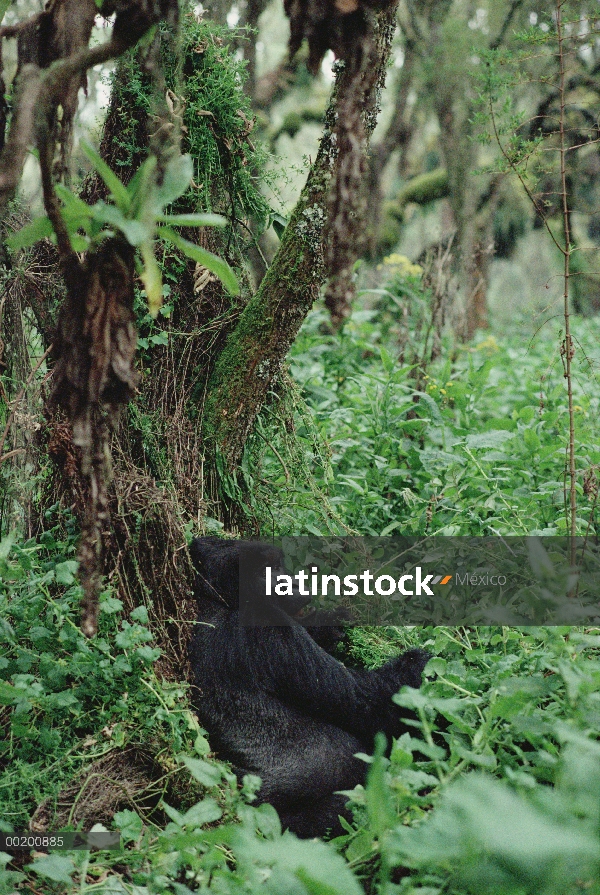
(568, 346)
(16, 401)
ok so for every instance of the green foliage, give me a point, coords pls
(66, 700)
(58, 690)
(479, 449)
(135, 211)
(496, 791)
(217, 117)
(515, 704)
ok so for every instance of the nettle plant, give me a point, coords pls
(136, 211)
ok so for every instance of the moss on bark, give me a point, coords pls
(271, 320)
(256, 349)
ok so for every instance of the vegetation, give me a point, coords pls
(256, 406)
(502, 761)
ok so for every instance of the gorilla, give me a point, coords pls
(274, 701)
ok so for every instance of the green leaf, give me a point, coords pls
(531, 439)
(6, 544)
(139, 614)
(387, 360)
(379, 801)
(65, 572)
(151, 277)
(175, 815)
(193, 220)
(204, 812)
(279, 224)
(201, 745)
(130, 825)
(117, 190)
(55, 867)
(72, 203)
(178, 174)
(492, 439)
(79, 243)
(135, 232)
(161, 338)
(390, 528)
(142, 191)
(297, 865)
(30, 234)
(216, 265)
(8, 694)
(205, 773)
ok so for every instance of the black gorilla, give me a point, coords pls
(276, 704)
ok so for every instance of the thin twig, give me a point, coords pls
(569, 348)
(11, 454)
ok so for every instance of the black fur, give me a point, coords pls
(275, 703)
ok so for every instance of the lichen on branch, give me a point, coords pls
(256, 349)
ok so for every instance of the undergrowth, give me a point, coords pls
(497, 790)
(472, 444)
(66, 701)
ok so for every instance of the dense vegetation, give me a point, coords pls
(252, 410)
(497, 791)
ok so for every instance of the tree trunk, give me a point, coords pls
(256, 349)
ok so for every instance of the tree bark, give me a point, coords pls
(256, 349)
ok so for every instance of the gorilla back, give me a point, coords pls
(275, 703)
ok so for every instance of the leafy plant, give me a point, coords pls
(59, 690)
(136, 212)
(515, 704)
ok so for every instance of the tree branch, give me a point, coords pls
(256, 350)
(20, 134)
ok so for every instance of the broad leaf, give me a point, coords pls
(193, 220)
(72, 203)
(178, 175)
(205, 773)
(78, 242)
(142, 191)
(135, 232)
(117, 190)
(216, 265)
(30, 234)
(56, 867)
(279, 224)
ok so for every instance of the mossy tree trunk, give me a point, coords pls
(255, 351)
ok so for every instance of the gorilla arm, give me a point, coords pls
(295, 669)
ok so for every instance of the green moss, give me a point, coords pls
(218, 119)
(424, 188)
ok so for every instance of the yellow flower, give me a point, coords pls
(404, 265)
(488, 344)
